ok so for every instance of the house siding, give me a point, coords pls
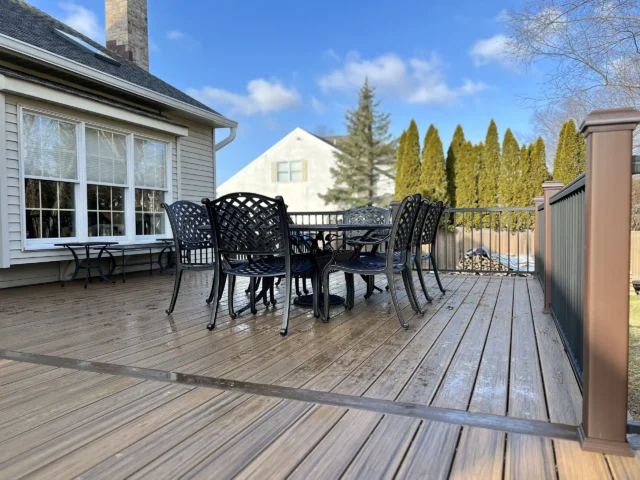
(39, 266)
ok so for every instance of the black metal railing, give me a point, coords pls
(487, 240)
(540, 228)
(567, 268)
(471, 240)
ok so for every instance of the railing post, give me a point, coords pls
(537, 201)
(609, 136)
(550, 188)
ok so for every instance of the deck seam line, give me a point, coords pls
(458, 417)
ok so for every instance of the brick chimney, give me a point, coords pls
(127, 32)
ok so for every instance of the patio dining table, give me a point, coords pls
(322, 255)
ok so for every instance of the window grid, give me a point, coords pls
(53, 216)
(105, 211)
(289, 171)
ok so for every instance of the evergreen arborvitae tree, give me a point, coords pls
(453, 155)
(558, 160)
(508, 169)
(467, 179)
(433, 179)
(409, 175)
(570, 159)
(366, 154)
(539, 171)
(399, 157)
(489, 171)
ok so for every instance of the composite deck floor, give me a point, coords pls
(483, 347)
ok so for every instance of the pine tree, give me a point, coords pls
(570, 159)
(453, 154)
(489, 171)
(409, 175)
(399, 156)
(433, 178)
(366, 154)
(559, 166)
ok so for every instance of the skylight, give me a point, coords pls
(87, 46)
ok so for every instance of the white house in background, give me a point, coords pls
(91, 142)
(298, 168)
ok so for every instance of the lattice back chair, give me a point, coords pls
(387, 263)
(193, 247)
(429, 235)
(255, 226)
(372, 216)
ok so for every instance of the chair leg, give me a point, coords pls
(421, 279)
(349, 282)
(298, 287)
(304, 286)
(210, 298)
(272, 293)
(367, 281)
(230, 291)
(252, 295)
(435, 271)
(325, 284)
(176, 289)
(216, 300)
(278, 282)
(407, 277)
(394, 298)
(284, 329)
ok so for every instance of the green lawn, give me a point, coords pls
(634, 356)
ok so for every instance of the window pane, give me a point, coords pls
(49, 147)
(49, 194)
(32, 193)
(139, 224)
(33, 224)
(117, 199)
(92, 224)
(283, 167)
(92, 197)
(296, 166)
(106, 156)
(67, 224)
(118, 224)
(139, 200)
(158, 220)
(66, 197)
(150, 217)
(104, 197)
(296, 176)
(50, 224)
(283, 176)
(105, 224)
(150, 163)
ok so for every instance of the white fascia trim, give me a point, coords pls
(40, 92)
(59, 61)
(5, 254)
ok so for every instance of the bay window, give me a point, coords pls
(83, 181)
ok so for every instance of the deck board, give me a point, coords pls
(485, 347)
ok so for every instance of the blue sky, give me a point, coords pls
(273, 66)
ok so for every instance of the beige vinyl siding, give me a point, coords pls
(17, 255)
(196, 163)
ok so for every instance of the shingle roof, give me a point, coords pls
(23, 22)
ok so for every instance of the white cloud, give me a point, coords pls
(417, 80)
(318, 106)
(492, 50)
(262, 96)
(82, 20)
(175, 35)
(331, 54)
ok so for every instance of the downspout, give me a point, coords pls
(218, 146)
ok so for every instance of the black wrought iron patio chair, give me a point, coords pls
(367, 215)
(387, 263)
(429, 237)
(255, 226)
(193, 247)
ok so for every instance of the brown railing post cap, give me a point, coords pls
(552, 184)
(613, 116)
(538, 200)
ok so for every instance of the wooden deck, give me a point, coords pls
(485, 347)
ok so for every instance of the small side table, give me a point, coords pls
(86, 263)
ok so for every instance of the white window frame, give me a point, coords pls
(80, 191)
(288, 163)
